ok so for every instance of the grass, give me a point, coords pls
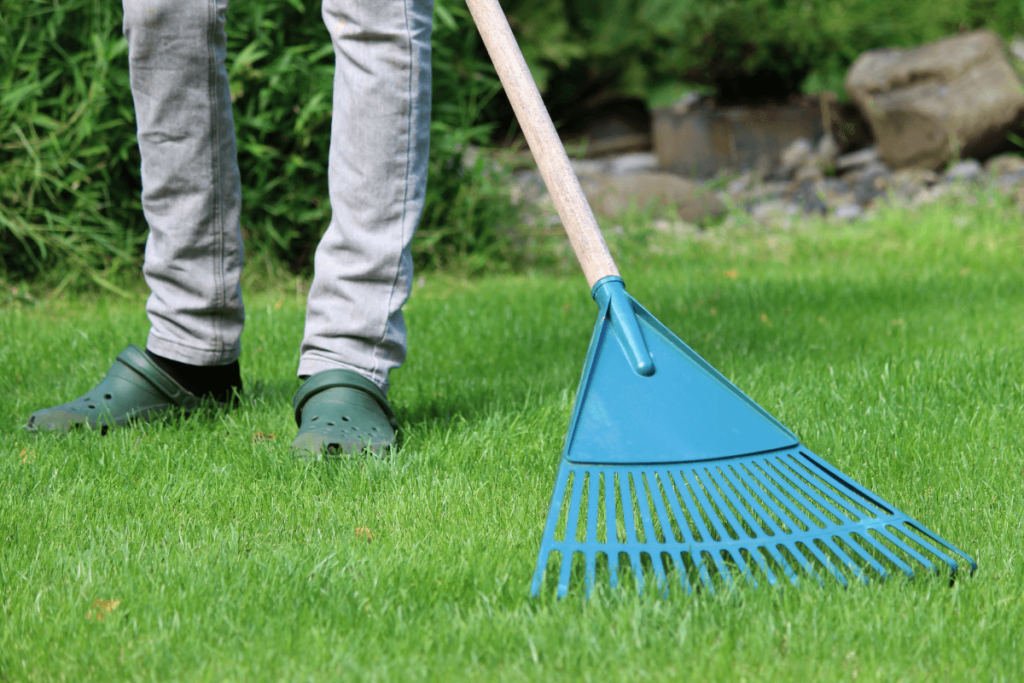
(202, 551)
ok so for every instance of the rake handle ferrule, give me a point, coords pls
(552, 161)
(610, 293)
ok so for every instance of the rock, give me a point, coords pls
(837, 192)
(809, 171)
(958, 95)
(737, 186)
(910, 181)
(707, 139)
(827, 150)
(797, 154)
(770, 190)
(527, 186)
(633, 163)
(861, 157)
(773, 210)
(809, 196)
(848, 212)
(610, 194)
(1017, 48)
(1004, 164)
(1009, 182)
(870, 182)
(588, 167)
(968, 170)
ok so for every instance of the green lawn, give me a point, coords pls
(891, 347)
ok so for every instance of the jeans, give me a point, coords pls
(191, 188)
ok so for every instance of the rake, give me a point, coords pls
(667, 466)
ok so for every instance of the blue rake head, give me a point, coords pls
(668, 467)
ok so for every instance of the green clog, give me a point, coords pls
(341, 412)
(133, 389)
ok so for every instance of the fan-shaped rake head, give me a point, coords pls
(762, 517)
(671, 467)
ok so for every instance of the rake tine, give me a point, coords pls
(702, 500)
(627, 509)
(793, 512)
(724, 509)
(613, 570)
(610, 515)
(638, 571)
(591, 562)
(658, 565)
(572, 523)
(763, 563)
(673, 502)
(826, 562)
(538, 573)
(929, 541)
(684, 576)
(857, 570)
(802, 560)
(723, 568)
(591, 539)
(786, 568)
(643, 508)
(659, 507)
(554, 512)
(705, 576)
(827, 499)
(592, 497)
(565, 574)
(741, 562)
(802, 501)
(858, 491)
(889, 555)
(767, 504)
(727, 485)
(698, 521)
(863, 554)
(611, 528)
(928, 564)
(737, 557)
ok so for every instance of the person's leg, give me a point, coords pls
(377, 173)
(191, 189)
(191, 197)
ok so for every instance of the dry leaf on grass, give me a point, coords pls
(103, 608)
(364, 532)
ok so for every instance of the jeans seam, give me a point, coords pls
(410, 134)
(220, 295)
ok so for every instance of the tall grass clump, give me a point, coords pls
(69, 210)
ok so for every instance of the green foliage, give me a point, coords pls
(67, 143)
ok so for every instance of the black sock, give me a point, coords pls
(218, 382)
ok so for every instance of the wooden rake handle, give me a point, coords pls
(573, 208)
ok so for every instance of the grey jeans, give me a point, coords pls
(191, 190)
